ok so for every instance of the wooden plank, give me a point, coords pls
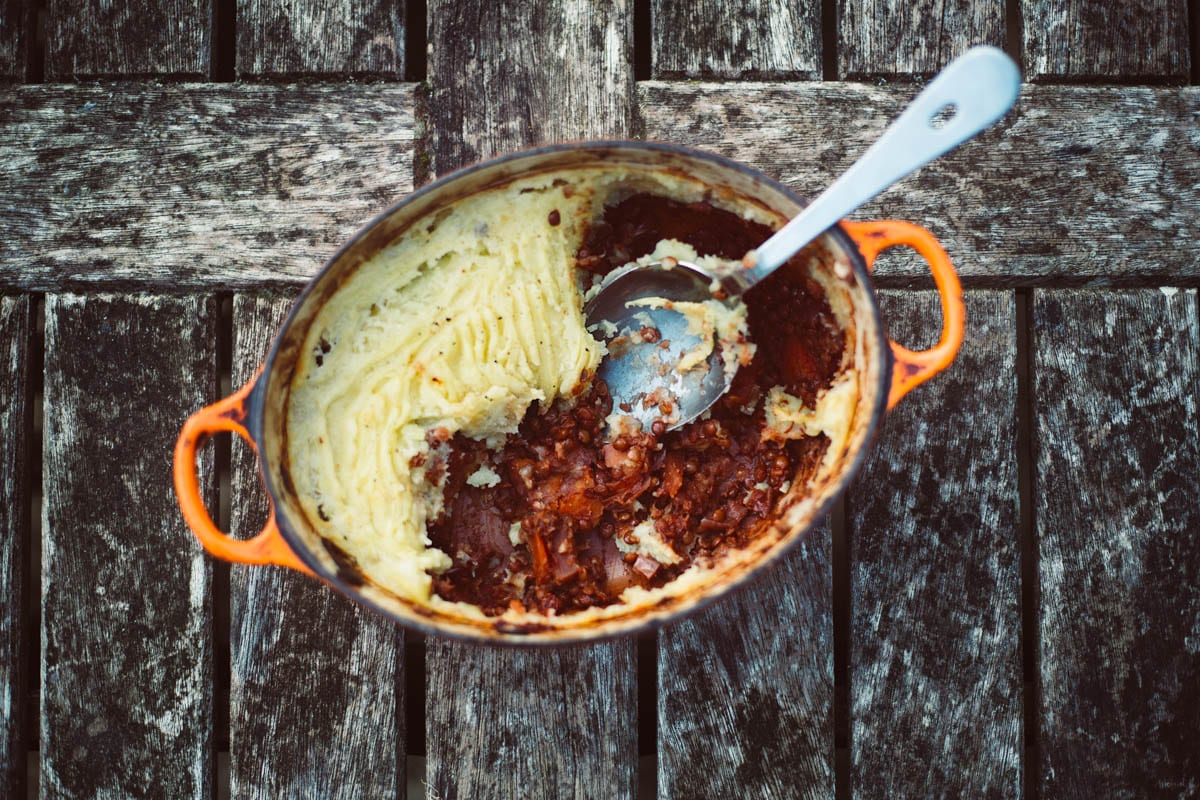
(1117, 462)
(543, 723)
(1051, 194)
(128, 38)
(363, 38)
(507, 75)
(935, 571)
(893, 38)
(315, 709)
(530, 723)
(746, 39)
(126, 591)
(186, 186)
(16, 336)
(1136, 40)
(745, 696)
(14, 39)
(250, 186)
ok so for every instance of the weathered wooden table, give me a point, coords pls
(1007, 603)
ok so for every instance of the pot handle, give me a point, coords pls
(911, 369)
(268, 547)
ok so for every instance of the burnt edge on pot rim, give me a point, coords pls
(348, 578)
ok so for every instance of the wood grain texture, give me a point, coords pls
(87, 39)
(1054, 193)
(897, 38)
(184, 186)
(14, 39)
(1141, 40)
(745, 695)
(16, 336)
(935, 571)
(1117, 463)
(509, 74)
(126, 591)
(530, 723)
(745, 39)
(315, 706)
(345, 38)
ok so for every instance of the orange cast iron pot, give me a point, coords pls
(257, 411)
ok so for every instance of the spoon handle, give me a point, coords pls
(971, 93)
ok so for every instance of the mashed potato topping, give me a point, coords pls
(457, 327)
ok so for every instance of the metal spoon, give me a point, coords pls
(971, 93)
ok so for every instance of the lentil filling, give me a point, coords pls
(561, 520)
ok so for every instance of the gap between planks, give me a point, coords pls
(1030, 648)
(223, 63)
(221, 589)
(1194, 39)
(841, 613)
(31, 624)
(416, 56)
(829, 41)
(1014, 33)
(643, 40)
(36, 49)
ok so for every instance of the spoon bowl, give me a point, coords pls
(647, 343)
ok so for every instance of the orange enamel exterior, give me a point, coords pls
(911, 368)
(268, 547)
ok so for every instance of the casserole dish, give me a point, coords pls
(875, 371)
